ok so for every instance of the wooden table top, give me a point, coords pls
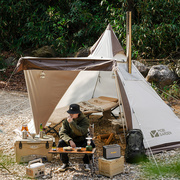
(73, 151)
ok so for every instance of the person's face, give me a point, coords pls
(74, 116)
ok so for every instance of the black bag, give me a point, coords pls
(135, 151)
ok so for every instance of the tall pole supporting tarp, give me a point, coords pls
(128, 41)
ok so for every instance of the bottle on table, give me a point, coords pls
(41, 127)
(25, 131)
(24, 127)
(54, 145)
(41, 131)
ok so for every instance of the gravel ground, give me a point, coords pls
(15, 111)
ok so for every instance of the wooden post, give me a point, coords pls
(128, 41)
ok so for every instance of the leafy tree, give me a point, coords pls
(71, 24)
(156, 29)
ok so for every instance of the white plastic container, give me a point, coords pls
(35, 168)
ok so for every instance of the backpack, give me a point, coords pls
(135, 150)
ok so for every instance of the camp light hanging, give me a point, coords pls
(42, 75)
(113, 75)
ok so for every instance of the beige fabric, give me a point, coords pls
(112, 46)
(44, 94)
(94, 105)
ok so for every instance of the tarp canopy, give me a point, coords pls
(68, 64)
(103, 73)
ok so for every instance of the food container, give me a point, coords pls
(78, 148)
(68, 148)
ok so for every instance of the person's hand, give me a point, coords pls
(72, 144)
(69, 119)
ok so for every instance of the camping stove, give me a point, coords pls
(35, 168)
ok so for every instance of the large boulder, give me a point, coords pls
(178, 68)
(45, 51)
(11, 61)
(83, 53)
(141, 67)
(161, 75)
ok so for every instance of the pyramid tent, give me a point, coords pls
(102, 73)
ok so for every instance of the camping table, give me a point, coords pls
(74, 151)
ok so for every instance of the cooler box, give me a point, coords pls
(30, 149)
(111, 151)
(111, 167)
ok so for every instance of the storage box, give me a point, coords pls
(111, 167)
(111, 151)
(30, 149)
(35, 168)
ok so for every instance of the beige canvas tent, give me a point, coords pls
(102, 73)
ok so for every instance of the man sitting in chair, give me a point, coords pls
(73, 133)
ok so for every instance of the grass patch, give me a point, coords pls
(5, 161)
(165, 169)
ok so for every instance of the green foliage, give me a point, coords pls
(172, 90)
(70, 25)
(168, 92)
(3, 64)
(165, 169)
(156, 29)
(5, 161)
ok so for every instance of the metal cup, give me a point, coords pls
(41, 133)
(24, 134)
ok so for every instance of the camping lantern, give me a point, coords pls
(89, 147)
(42, 75)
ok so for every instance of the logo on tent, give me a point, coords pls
(159, 132)
(154, 133)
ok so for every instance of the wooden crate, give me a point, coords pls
(111, 167)
(29, 149)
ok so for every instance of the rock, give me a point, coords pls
(83, 53)
(178, 68)
(10, 61)
(141, 67)
(45, 51)
(1, 122)
(28, 52)
(161, 75)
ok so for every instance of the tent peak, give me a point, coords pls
(107, 45)
(109, 27)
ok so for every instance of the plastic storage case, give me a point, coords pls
(35, 168)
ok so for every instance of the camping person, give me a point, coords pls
(73, 133)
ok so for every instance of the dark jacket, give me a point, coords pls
(76, 130)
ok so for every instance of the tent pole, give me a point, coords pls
(128, 41)
(98, 79)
